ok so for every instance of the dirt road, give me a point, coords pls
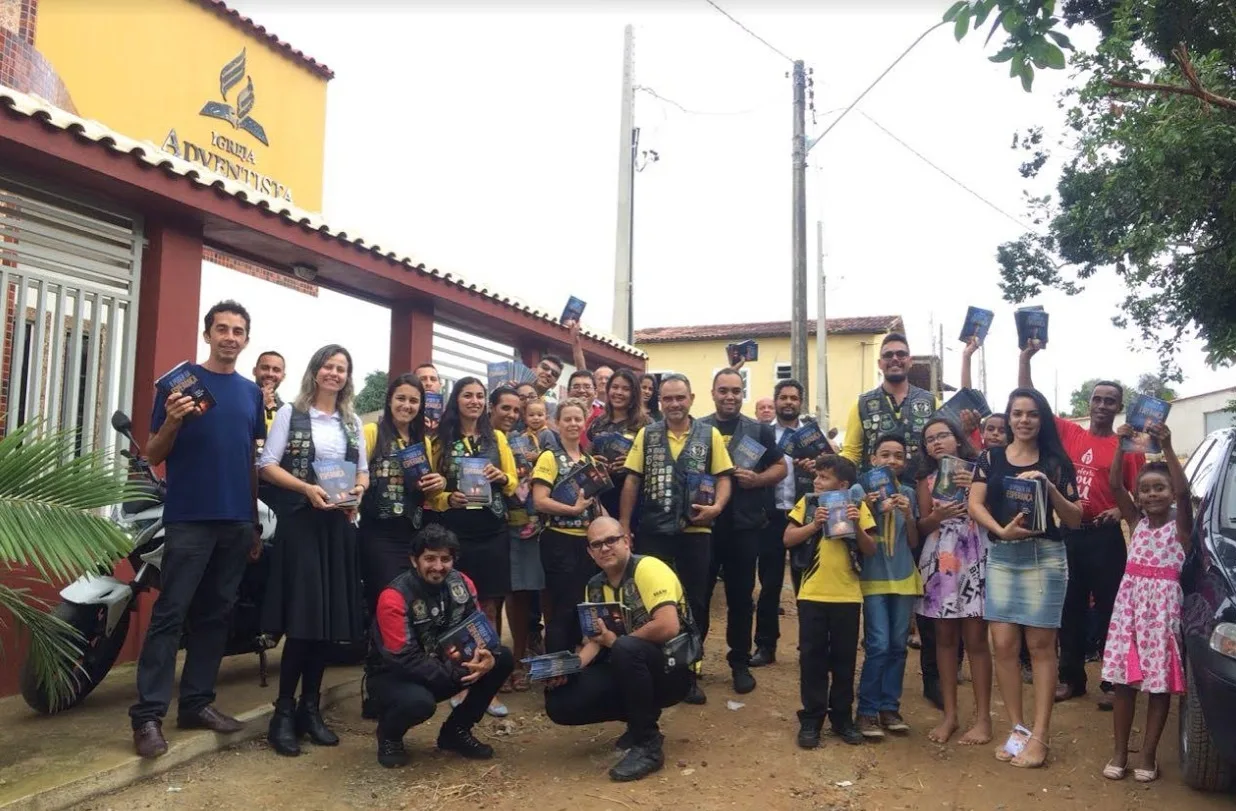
(716, 758)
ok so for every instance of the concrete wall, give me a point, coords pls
(1192, 418)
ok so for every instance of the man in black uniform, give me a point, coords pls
(737, 531)
(408, 672)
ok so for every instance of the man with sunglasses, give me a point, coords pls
(547, 373)
(628, 677)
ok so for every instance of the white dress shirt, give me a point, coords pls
(785, 488)
(329, 440)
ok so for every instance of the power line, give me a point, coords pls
(928, 161)
(688, 111)
(766, 43)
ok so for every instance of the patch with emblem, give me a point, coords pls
(873, 406)
(920, 408)
(397, 508)
(420, 611)
(459, 592)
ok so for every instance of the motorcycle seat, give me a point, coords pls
(149, 496)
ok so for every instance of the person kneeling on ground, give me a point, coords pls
(632, 677)
(408, 673)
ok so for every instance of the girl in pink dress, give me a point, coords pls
(1143, 640)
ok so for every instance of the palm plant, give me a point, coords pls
(51, 525)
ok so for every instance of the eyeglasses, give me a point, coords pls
(605, 543)
(552, 369)
(940, 437)
(899, 354)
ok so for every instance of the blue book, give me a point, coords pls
(747, 453)
(964, 400)
(1026, 496)
(612, 445)
(551, 665)
(524, 451)
(614, 615)
(878, 480)
(978, 321)
(808, 442)
(1031, 326)
(433, 406)
(182, 379)
(459, 644)
(472, 482)
(1144, 412)
(415, 463)
(588, 477)
(837, 503)
(745, 351)
(701, 489)
(338, 478)
(946, 487)
(574, 310)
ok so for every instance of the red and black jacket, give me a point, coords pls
(411, 617)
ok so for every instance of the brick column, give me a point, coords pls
(168, 330)
(411, 335)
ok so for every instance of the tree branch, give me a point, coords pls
(1194, 89)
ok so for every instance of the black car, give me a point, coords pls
(1208, 710)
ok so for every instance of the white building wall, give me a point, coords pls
(1192, 418)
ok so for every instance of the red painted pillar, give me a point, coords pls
(530, 354)
(411, 335)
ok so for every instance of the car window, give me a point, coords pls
(1200, 470)
(1227, 518)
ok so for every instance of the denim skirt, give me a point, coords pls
(1026, 582)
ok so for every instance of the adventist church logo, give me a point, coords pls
(233, 74)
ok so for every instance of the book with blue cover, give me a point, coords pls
(614, 615)
(612, 445)
(508, 373)
(415, 462)
(524, 450)
(806, 442)
(1031, 326)
(433, 406)
(879, 480)
(1144, 412)
(701, 489)
(588, 477)
(747, 453)
(1028, 497)
(472, 482)
(574, 310)
(837, 502)
(183, 379)
(964, 400)
(338, 478)
(459, 644)
(946, 487)
(552, 665)
(977, 323)
(744, 350)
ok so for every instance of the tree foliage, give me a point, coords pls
(1153, 384)
(1147, 186)
(372, 395)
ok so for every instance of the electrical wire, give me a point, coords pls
(688, 111)
(765, 42)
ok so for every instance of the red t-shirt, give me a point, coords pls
(1092, 456)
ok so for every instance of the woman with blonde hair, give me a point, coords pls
(313, 595)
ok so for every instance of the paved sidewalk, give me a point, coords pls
(58, 761)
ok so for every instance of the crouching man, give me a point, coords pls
(408, 672)
(631, 677)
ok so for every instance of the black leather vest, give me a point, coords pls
(746, 508)
(574, 521)
(487, 450)
(877, 417)
(388, 496)
(430, 612)
(628, 595)
(665, 509)
(299, 454)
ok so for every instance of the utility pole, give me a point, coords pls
(821, 332)
(798, 310)
(625, 233)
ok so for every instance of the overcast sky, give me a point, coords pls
(484, 140)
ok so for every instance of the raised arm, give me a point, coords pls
(1115, 480)
(1023, 365)
(577, 347)
(967, 379)
(1180, 484)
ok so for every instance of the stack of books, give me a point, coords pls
(588, 477)
(552, 665)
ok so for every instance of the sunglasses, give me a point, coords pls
(605, 543)
(900, 354)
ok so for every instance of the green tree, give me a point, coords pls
(49, 524)
(1079, 400)
(372, 395)
(1156, 386)
(1146, 188)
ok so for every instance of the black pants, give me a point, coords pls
(688, 553)
(771, 564)
(1096, 558)
(626, 683)
(403, 704)
(927, 636)
(735, 551)
(385, 553)
(568, 568)
(203, 563)
(827, 649)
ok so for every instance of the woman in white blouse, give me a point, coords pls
(313, 596)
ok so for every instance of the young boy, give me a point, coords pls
(890, 585)
(829, 598)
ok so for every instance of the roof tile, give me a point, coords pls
(247, 24)
(766, 329)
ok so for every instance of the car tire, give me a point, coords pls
(1201, 764)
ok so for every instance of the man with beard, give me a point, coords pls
(737, 532)
(1096, 550)
(268, 373)
(896, 407)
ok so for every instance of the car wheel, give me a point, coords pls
(1200, 762)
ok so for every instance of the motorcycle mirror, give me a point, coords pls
(125, 453)
(121, 423)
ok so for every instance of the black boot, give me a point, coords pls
(641, 760)
(695, 695)
(456, 739)
(282, 733)
(309, 722)
(809, 733)
(744, 682)
(391, 753)
(764, 657)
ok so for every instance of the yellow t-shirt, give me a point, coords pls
(371, 443)
(656, 583)
(830, 578)
(721, 462)
(546, 472)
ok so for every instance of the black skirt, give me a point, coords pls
(484, 550)
(314, 591)
(385, 552)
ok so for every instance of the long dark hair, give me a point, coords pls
(450, 424)
(387, 432)
(926, 463)
(637, 417)
(1051, 449)
(653, 406)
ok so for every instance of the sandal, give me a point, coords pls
(1146, 775)
(1014, 744)
(520, 681)
(1021, 763)
(1113, 772)
(508, 685)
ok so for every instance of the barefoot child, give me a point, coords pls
(1143, 650)
(829, 598)
(891, 585)
(954, 571)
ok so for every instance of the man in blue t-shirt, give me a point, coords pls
(210, 523)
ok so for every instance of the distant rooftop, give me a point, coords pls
(874, 324)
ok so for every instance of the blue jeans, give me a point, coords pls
(886, 627)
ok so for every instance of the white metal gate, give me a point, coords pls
(459, 354)
(69, 276)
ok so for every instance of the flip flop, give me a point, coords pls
(1014, 744)
(1113, 772)
(1146, 775)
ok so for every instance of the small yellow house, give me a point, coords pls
(699, 353)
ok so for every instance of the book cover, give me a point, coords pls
(574, 310)
(433, 406)
(965, 400)
(747, 453)
(525, 452)
(415, 462)
(472, 481)
(977, 323)
(1026, 496)
(459, 644)
(701, 489)
(946, 487)
(337, 477)
(182, 379)
(744, 350)
(499, 373)
(809, 441)
(587, 477)
(612, 445)
(786, 443)
(1031, 326)
(839, 524)
(614, 615)
(551, 665)
(878, 480)
(1144, 411)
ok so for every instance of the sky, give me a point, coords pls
(484, 139)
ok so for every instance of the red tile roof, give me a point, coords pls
(875, 324)
(249, 26)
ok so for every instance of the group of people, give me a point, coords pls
(415, 558)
